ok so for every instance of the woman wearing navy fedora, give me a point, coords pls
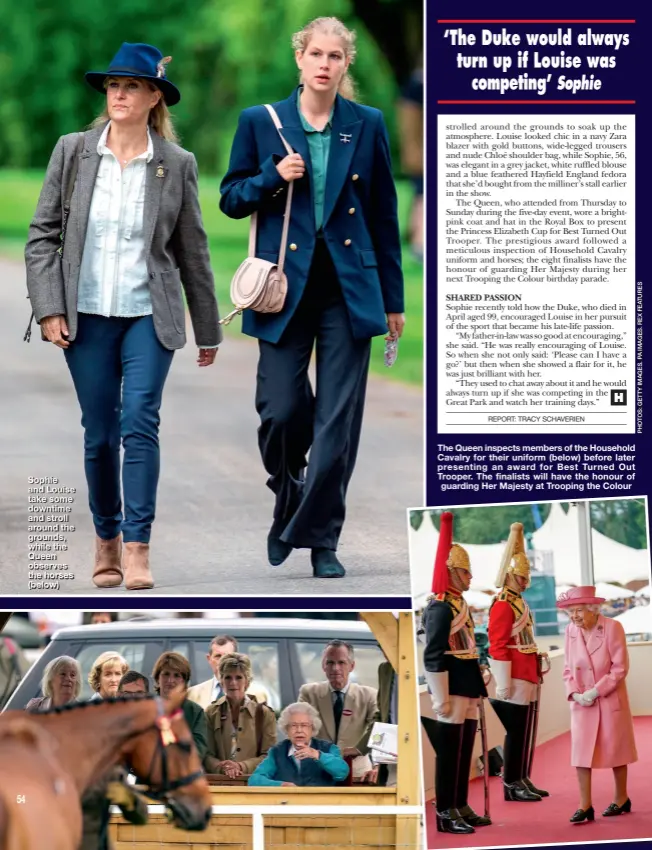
(345, 284)
(133, 244)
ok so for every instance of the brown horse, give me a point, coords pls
(49, 760)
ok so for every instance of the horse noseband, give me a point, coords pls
(165, 739)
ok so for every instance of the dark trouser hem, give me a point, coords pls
(310, 497)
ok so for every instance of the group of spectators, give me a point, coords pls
(319, 740)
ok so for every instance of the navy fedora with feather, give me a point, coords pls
(141, 61)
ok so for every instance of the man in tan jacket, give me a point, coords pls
(207, 692)
(347, 710)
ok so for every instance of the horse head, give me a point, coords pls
(165, 759)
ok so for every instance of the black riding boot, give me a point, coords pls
(527, 758)
(514, 719)
(446, 739)
(462, 797)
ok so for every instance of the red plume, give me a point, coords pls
(440, 576)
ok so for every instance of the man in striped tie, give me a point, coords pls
(346, 708)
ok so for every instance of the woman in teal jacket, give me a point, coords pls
(302, 759)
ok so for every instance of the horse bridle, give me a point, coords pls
(165, 739)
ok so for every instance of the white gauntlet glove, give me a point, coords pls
(438, 684)
(502, 672)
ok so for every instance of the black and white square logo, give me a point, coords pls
(619, 397)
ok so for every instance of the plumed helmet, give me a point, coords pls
(450, 556)
(515, 561)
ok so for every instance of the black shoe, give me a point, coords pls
(518, 792)
(450, 821)
(613, 809)
(277, 550)
(473, 819)
(325, 564)
(533, 788)
(583, 814)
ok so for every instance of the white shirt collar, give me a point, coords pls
(102, 149)
(342, 690)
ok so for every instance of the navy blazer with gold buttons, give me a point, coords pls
(360, 211)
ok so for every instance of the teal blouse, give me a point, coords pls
(319, 144)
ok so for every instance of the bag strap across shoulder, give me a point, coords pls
(288, 203)
(259, 719)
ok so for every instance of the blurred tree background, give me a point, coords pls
(622, 520)
(227, 54)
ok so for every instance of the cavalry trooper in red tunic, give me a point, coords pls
(516, 667)
(455, 681)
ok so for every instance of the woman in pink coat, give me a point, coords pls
(602, 730)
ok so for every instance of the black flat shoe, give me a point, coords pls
(613, 809)
(277, 550)
(472, 818)
(450, 821)
(533, 788)
(325, 564)
(518, 792)
(583, 814)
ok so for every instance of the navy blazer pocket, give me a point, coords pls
(368, 258)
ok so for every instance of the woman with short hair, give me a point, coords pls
(302, 759)
(240, 729)
(172, 673)
(106, 672)
(345, 283)
(113, 297)
(61, 683)
(602, 729)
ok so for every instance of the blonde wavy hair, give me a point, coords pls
(238, 662)
(96, 670)
(331, 26)
(160, 118)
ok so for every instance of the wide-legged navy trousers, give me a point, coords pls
(295, 419)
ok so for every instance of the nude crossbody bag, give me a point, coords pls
(261, 285)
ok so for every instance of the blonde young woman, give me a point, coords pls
(345, 284)
(134, 244)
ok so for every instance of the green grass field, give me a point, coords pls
(228, 243)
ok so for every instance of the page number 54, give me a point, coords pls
(20, 798)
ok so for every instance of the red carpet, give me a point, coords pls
(546, 822)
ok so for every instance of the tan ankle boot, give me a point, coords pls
(108, 562)
(136, 564)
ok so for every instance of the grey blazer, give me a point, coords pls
(175, 242)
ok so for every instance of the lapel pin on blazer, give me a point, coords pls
(345, 137)
(160, 171)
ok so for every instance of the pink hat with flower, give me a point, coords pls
(583, 595)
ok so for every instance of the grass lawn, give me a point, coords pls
(228, 243)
